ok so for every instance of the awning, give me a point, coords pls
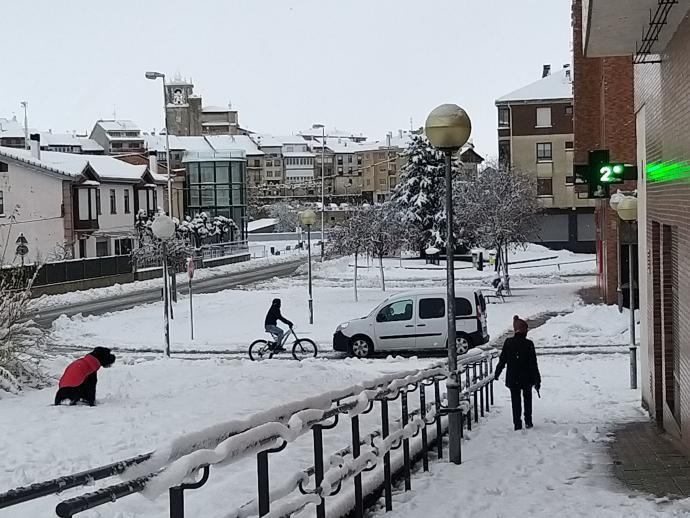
(640, 28)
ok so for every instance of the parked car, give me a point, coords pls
(415, 321)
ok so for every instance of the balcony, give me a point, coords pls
(85, 204)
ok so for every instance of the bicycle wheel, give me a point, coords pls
(304, 348)
(260, 350)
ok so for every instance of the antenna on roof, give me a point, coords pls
(114, 113)
(411, 126)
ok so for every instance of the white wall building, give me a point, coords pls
(85, 205)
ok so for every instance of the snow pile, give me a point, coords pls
(586, 326)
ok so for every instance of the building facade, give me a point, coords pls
(118, 136)
(662, 123)
(535, 136)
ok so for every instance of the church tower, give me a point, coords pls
(183, 108)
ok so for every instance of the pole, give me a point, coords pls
(323, 187)
(167, 148)
(166, 297)
(191, 309)
(311, 301)
(25, 105)
(633, 347)
(454, 418)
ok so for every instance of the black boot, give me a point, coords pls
(518, 426)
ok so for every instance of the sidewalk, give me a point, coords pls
(645, 460)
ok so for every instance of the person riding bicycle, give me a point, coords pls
(271, 322)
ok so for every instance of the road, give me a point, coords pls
(44, 318)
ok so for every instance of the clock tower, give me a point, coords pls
(183, 108)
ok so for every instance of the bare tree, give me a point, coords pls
(286, 215)
(385, 231)
(350, 238)
(499, 208)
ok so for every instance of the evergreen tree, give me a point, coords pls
(420, 193)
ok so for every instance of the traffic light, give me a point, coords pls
(600, 173)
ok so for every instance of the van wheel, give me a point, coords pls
(463, 343)
(361, 347)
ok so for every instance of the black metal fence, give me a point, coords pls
(415, 432)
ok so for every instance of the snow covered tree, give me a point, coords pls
(150, 250)
(286, 215)
(499, 208)
(385, 230)
(349, 238)
(203, 229)
(420, 193)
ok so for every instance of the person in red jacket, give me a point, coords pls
(523, 371)
(78, 382)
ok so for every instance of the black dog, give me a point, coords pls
(78, 382)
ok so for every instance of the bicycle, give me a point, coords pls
(301, 348)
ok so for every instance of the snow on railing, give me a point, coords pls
(170, 468)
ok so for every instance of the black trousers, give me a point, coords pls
(516, 397)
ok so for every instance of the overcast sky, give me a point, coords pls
(357, 65)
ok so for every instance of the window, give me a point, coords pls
(113, 202)
(544, 187)
(368, 181)
(127, 211)
(359, 160)
(543, 117)
(222, 173)
(116, 145)
(569, 144)
(349, 159)
(102, 248)
(382, 181)
(133, 145)
(340, 160)
(544, 153)
(463, 307)
(277, 163)
(503, 117)
(4, 167)
(349, 170)
(269, 163)
(2, 203)
(289, 149)
(432, 308)
(569, 110)
(504, 152)
(123, 246)
(396, 312)
(570, 180)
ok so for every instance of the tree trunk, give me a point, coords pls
(356, 255)
(383, 278)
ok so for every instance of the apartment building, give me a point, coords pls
(12, 133)
(272, 148)
(118, 136)
(535, 136)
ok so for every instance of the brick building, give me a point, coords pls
(655, 35)
(604, 119)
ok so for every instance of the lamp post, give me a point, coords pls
(627, 211)
(308, 218)
(323, 181)
(153, 76)
(448, 127)
(163, 227)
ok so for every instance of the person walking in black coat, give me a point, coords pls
(519, 356)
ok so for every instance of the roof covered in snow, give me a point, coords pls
(69, 139)
(260, 224)
(318, 132)
(70, 164)
(215, 109)
(558, 85)
(234, 142)
(204, 144)
(118, 125)
(11, 128)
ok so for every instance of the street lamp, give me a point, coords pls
(153, 76)
(163, 227)
(323, 181)
(308, 218)
(448, 127)
(25, 105)
(627, 211)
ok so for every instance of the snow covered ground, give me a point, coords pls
(146, 401)
(559, 468)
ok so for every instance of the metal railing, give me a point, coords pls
(415, 432)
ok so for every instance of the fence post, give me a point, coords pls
(387, 482)
(406, 442)
(318, 467)
(359, 501)
(491, 373)
(486, 387)
(439, 426)
(481, 390)
(176, 502)
(476, 402)
(262, 477)
(422, 410)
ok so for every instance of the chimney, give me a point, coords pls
(546, 71)
(153, 162)
(35, 143)
(400, 133)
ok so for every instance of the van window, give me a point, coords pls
(396, 312)
(463, 307)
(432, 308)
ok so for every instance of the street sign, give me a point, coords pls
(190, 268)
(600, 173)
(22, 250)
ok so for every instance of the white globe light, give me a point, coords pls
(627, 208)
(448, 127)
(163, 227)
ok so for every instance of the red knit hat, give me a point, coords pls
(519, 325)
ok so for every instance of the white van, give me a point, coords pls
(415, 321)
